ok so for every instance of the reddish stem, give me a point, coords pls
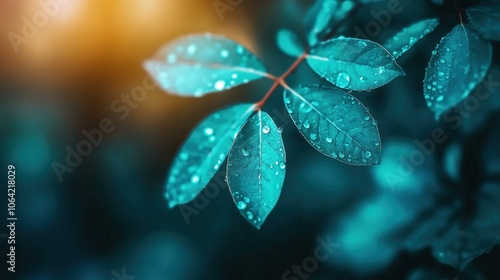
(458, 11)
(280, 80)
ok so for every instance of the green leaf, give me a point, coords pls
(459, 62)
(335, 123)
(485, 18)
(289, 43)
(199, 64)
(354, 64)
(203, 152)
(409, 36)
(256, 168)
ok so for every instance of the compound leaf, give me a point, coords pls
(256, 168)
(354, 64)
(409, 36)
(335, 123)
(199, 64)
(485, 18)
(459, 62)
(289, 43)
(203, 152)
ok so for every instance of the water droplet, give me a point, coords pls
(249, 215)
(307, 125)
(328, 139)
(282, 165)
(172, 58)
(191, 49)
(234, 76)
(313, 136)
(440, 98)
(366, 118)
(183, 156)
(280, 129)
(208, 131)
(368, 154)
(361, 44)
(377, 144)
(244, 152)
(305, 108)
(224, 53)
(219, 85)
(341, 155)
(246, 199)
(343, 80)
(240, 49)
(195, 179)
(266, 129)
(242, 205)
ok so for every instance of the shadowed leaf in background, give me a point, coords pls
(459, 62)
(485, 18)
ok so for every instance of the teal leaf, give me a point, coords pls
(289, 43)
(323, 16)
(485, 18)
(335, 123)
(409, 36)
(203, 152)
(459, 62)
(199, 64)
(256, 168)
(354, 64)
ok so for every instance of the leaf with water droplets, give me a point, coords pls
(354, 64)
(335, 123)
(485, 18)
(289, 43)
(409, 36)
(459, 62)
(203, 152)
(199, 64)
(256, 168)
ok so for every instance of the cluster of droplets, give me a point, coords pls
(436, 87)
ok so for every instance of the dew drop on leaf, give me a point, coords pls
(241, 205)
(266, 129)
(343, 80)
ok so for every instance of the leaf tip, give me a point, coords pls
(171, 204)
(257, 226)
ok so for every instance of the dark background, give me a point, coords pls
(110, 213)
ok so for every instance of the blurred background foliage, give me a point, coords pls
(109, 215)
